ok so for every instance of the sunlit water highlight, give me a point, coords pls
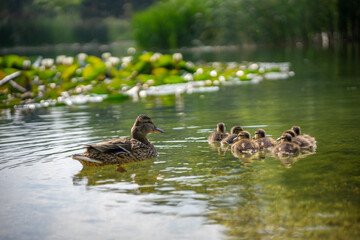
(192, 190)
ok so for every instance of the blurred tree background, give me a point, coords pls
(178, 23)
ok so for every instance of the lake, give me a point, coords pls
(194, 190)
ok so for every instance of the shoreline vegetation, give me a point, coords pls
(172, 24)
(29, 83)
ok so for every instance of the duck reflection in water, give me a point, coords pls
(140, 173)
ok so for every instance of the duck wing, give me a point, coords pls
(113, 146)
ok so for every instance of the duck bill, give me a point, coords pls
(157, 130)
(278, 139)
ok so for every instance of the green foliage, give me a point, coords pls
(168, 24)
(95, 69)
(176, 23)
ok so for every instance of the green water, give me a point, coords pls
(193, 190)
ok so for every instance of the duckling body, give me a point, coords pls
(244, 144)
(264, 143)
(302, 142)
(219, 134)
(297, 131)
(122, 150)
(234, 133)
(287, 147)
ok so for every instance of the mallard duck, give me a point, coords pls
(286, 147)
(122, 150)
(302, 142)
(219, 134)
(235, 130)
(244, 144)
(264, 142)
(297, 131)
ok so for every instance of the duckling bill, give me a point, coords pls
(122, 150)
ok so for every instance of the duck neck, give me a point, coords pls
(140, 136)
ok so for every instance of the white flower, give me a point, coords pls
(177, 57)
(213, 73)
(240, 73)
(60, 59)
(131, 51)
(105, 55)
(82, 56)
(47, 62)
(155, 57)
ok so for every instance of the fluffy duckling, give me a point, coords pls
(235, 130)
(297, 131)
(122, 150)
(286, 147)
(303, 143)
(219, 134)
(264, 142)
(243, 144)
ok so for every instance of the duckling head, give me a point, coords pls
(286, 137)
(236, 129)
(142, 126)
(260, 133)
(291, 132)
(244, 135)
(297, 130)
(220, 127)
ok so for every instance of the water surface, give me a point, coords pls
(193, 190)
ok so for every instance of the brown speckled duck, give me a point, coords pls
(244, 144)
(122, 150)
(235, 130)
(219, 134)
(266, 143)
(297, 131)
(286, 147)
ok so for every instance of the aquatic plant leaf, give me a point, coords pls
(92, 71)
(174, 79)
(69, 71)
(160, 72)
(46, 74)
(165, 61)
(13, 61)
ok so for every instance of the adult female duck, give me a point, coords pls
(122, 150)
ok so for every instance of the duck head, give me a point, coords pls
(236, 130)
(142, 126)
(297, 130)
(220, 127)
(260, 133)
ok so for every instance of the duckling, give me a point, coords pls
(297, 131)
(235, 130)
(264, 142)
(286, 147)
(243, 144)
(122, 150)
(303, 143)
(219, 134)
